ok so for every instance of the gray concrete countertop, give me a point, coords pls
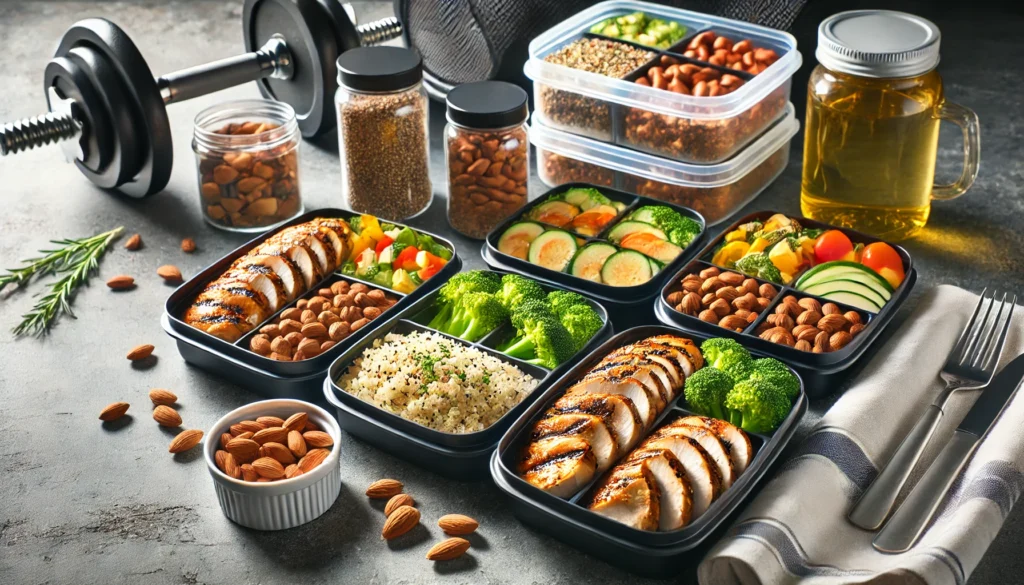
(86, 504)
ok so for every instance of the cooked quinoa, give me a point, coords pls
(436, 382)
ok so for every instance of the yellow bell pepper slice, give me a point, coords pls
(728, 254)
(759, 245)
(370, 227)
(784, 258)
(736, 236)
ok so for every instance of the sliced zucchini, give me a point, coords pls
(553, 249)
(853, 299)
(585, 197)
(516, 239)
(593, 220)
(650, 245)
(826, 289)
(625, 228)
(587, 263)
(842, 269)
(655, 265)
(555, 212)
(626, 268)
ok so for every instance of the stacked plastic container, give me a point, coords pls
(712, 153)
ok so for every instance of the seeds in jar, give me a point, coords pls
(487, 178)
(246, 459)
(384, 158)
(251, 186)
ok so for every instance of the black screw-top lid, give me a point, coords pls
(487, 104)
(379, 68)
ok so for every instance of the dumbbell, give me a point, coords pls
(109, 114)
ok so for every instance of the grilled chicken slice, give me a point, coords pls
(630, 495)
(649, 370)
(701, 473)
(708, 441)
(683, 344)
(588, 427)
(228, 308)
(217, 319)
(337, 233)
(630, 388)
(736, 441)
(617, 412)
(667, 356)
(643, 376)
(287, 272)
(263, 280)
(560, 466)
(670, 475)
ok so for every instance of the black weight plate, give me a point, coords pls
(142, 100)
(344, 30)
(70, 81)
(304, 24)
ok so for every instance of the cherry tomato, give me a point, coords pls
(885, 260)
(384, 243)
(406, 259)
(429, 263)
(832, 245)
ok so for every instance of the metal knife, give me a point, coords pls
(908, 523)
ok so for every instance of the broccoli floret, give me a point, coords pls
(729, 356)
(757, 406)
(458, 286)
(516, 289)
(541, 339)
(561, 301)
(706, 390)
(685, 233)
(681, 230)
(759, 265)
(475, 314)
(582, 322)
(777, 374)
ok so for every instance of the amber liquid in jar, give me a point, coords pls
(869, 152)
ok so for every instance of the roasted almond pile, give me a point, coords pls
(402, 516)
(271, 448)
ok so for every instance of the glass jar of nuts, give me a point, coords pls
(488, 155)
(247, 154)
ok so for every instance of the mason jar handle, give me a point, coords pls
(967, 120)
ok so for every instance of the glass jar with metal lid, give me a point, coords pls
(382, 132)
(874, 104)
(488, 155)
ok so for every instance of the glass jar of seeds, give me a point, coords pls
(488, 155)
(247, 153)
(382, 132)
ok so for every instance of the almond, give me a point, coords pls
(457, 524)
(311, 426)
(188, 245)
(231, 468)
(318, 439)
(397, 502)
(185, 440)
(220, 457)
(384, 489)
(313, 329)
(261, 345)
(248, 473)
(296, 444)
(225, 438)
(296, 422)
(140, 352)
(448, 549)
(166, 416)
(113, 411)
(292, 471)
(161, 396)
(246, 426)
(274, 434)
(402, 520)
(245, 435)
(312, 459)
(169, 273)
(270, 421)
(279, 452)
(268, 467)
(121, 282)
(244, 450)
(133, 243)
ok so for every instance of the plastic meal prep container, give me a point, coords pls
(626, 305)
(278, 379)
(460, 456)
(715, 191)
(683, 127)
(649, 553)
(819, 370)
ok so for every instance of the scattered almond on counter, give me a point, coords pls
(166, 416)
(161, 396)
(121, 282)
(169, 273)
(133, 243)
(397, 501)
(384, 489)
(402, 520)
(448, 549)
(457, 524)
(185, 440)
(141, 352)
(188, 245)
(113, 411)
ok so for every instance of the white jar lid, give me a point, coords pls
(878, 43)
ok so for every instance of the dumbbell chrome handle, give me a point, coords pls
(273, 59)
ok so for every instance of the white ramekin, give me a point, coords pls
(281, 504)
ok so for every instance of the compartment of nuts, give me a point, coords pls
(314, 325)
(720, 50)
(725, 298)
(271, 448)
(806, 324)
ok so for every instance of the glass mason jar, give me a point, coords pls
(382, 132)
(488, 155)
(874, 104)
(247, 155)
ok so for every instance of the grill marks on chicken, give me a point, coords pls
(672, 477)
(270, 276)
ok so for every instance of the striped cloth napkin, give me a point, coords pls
(796, 531)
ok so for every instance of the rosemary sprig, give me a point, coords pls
(75, 260)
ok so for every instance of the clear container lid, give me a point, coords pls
(650, 98)
(664, 170)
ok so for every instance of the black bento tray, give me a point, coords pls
(818, 369)
(462, 456)
(261, 374)
(643, 552)
(626, 304)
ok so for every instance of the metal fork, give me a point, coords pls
(970, 365)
